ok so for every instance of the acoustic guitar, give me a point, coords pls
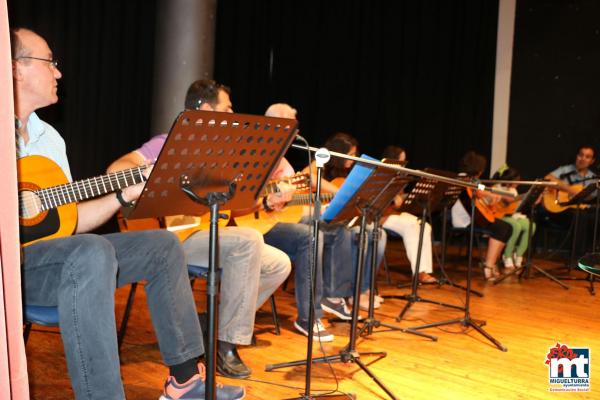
(184, 226)
(552, 197)
(486, 211)
(293, 212)
(48, 202)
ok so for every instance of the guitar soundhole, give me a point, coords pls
(30, 205)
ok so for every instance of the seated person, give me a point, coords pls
(341, 243)
(519, 240)
(79, 273)
(571, 179)
(408, 227)
(251, 270)
(473, 164)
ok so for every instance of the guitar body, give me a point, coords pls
(483, 209)
(263, 221)
(552, 197)
(502, 209)
(38, 172)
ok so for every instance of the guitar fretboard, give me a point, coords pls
(298, 180)
(304, 199)
(74, 192)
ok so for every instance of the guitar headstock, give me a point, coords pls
(299, 180)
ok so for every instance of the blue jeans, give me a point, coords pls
(338, 260)
(79, 274)
(296, 241)
(341, 259)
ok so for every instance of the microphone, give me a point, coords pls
(322, 156)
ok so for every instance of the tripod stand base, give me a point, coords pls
(412, 299)
(467, 322)
(522, 271)
(344, 356)
(371, 323)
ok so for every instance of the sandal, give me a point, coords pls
(490, 273)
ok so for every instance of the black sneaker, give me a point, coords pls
(339, 309)
(319, 331)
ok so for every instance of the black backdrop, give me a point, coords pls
(555, 95)
(105, 52)
(418, 74)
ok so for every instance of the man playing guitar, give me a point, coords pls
(567, 176)
(571, 179)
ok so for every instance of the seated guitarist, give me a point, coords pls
(251, 269)
(79, 273)
(519, 240)
(572, 178)
(567, 176)
(473, 164)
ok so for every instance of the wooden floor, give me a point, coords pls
(528, 318)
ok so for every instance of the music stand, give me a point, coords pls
(447, 200)
(527, 207)
(391, 184)
(420, 201)
(359, 191)
(213, 160)
(466, 320)
(577, 200)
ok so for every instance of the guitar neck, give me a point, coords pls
(305, 199)
(74, 192)
(298, 180)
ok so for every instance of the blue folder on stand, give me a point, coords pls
(357, 176)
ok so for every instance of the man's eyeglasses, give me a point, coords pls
(52, 62)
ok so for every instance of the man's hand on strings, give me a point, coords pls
(277, 201)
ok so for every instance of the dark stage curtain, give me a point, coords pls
(555, 94)
(418, 74)
(106, 52)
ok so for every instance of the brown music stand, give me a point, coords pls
(211, 161)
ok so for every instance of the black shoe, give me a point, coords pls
(229, 363)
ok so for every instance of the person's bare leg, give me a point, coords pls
(494, 250)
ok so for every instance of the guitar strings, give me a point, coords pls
(51, 197)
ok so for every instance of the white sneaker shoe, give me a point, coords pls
(518, 261)
(508, 262)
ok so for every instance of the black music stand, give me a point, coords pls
(365, 191)
(420, 200)
(213, 160)
(392, 184)
(577, 200)
(527, 207)
(466, 320)
(447, 200)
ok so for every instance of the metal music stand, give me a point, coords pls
(577, 202)
(364, 192)
(392, 184)
(211, 161)
(466, 320)
(447, 200)
(579, 198)
(420, 200)
(527, 207)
